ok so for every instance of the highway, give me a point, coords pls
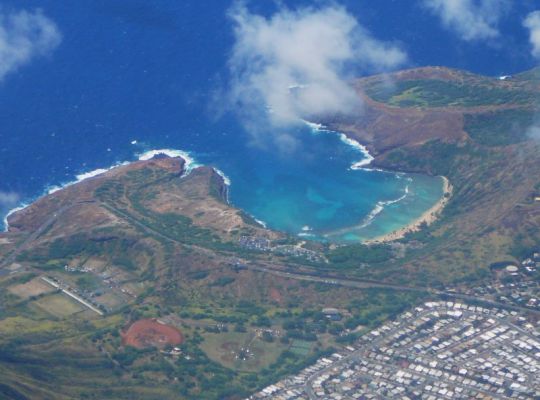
(366, 283)
(311, 276)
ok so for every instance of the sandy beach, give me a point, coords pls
(428, 217)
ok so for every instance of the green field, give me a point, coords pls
(224, 348)
(301, 347)
(179, 263)
(58, 305)
(35, 287)
(440, 93)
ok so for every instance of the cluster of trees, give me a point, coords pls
(289, 363)
(499, 128)
(308, 324)
(439, 93)
(223, 281)
(349, 257)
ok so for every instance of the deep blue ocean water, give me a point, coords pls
(147, 70)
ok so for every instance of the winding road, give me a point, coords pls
(311, 276)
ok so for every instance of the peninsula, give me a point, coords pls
(144, 282)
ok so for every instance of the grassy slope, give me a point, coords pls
(473, 130)
(182, 257)
(167, 234)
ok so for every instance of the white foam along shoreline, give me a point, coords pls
(52, 189)
(13, 211)
(428, 217)
(190, 164)
(82, 177)
(361, 165)
(368, 158)
(380, 206)
(261, 223)
(225, 178)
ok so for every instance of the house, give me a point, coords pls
(332, 313)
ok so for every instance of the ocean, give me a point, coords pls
(131, 76)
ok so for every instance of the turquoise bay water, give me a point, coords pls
(143, 78)
(314, 192)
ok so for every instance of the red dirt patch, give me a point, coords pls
(275, 295)
(149, 332)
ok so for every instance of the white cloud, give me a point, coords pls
(532, 22)
(25, 35)
(534, 132)
(296, 64)
(8, 199)
(470, 19)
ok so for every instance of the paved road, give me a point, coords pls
(339, 281)
(365, 283)
(304, 276)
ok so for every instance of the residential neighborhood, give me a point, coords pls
(255, 243)
(516, 284)
(440, 350)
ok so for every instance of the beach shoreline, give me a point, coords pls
(428, 217)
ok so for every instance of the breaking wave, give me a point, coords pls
(380, 206)
(190, 164)
(368, 158)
